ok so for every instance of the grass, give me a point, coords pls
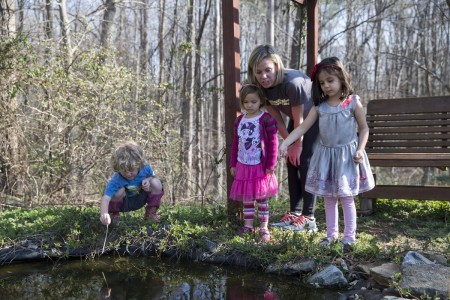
(395, 227)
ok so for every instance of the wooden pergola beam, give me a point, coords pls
(232, 78)
(232, 69)
(312, 34)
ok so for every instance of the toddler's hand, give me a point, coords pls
(146, 185)
(105, 219)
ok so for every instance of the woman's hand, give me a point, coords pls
(294, 152)
(233, 171)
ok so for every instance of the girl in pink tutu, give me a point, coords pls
(253, 159)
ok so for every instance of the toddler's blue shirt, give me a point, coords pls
(133, 186)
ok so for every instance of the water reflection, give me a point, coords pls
(147, 278)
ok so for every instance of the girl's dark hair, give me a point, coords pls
(333, 66)
(249, 88)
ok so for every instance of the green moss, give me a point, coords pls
(395, 227)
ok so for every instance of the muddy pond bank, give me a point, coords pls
(204, 235)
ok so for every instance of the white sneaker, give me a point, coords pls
(286, 220)
(303, 223)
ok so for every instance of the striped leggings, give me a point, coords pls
(263, 209)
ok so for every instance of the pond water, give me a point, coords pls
(148, 278)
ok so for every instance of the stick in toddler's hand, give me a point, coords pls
(106, 237)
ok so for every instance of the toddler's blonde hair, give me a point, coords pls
(127, 156)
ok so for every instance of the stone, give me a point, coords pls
(364, 270)
(385, 273)
(331, 276)
(295, 268)
(414, 258)
(431, 279)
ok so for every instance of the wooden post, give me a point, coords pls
(312, 35)
(232, 73)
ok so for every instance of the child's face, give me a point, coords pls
(330, 84)
(265, 73)
(252, 104)
(130, 174)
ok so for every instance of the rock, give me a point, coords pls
(383, 274)
(294, 268)
(437, 258)
(210, 245)
(414, 258)
(17, 255)
(364, 270)
(331, 276)
(430, 279)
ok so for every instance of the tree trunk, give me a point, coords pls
(7, 18)
(143, 40)
(12, 144)
(108, 24)
(48, 23)
(378, 46)
(200, 108)
(21, 9)
(187, 130)
(161, 31)
(270, 25)
(217, 130)
(65, 32)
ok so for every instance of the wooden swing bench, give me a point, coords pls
(408, 132)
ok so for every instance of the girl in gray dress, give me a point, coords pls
(339, 167)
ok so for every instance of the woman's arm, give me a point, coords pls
(298, 132)
(275, 113)
(294, 152)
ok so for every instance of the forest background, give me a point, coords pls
(76, 77)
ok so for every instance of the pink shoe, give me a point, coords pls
(265, 235)
(245, 230)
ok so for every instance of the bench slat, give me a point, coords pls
(422, 130)
(411, 156)
(435, 104)
(396, 159)
(429, 144)
(405, 137)
(431, 151)
(414, 123)
(409, 192)
(407, 117)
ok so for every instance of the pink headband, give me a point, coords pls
(317, 67)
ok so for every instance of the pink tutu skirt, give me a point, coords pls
(252, 183)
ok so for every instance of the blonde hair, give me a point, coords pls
(260, 53)
(127, 156)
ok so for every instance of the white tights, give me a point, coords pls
(332, 218)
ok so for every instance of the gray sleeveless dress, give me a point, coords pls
(332, 171)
